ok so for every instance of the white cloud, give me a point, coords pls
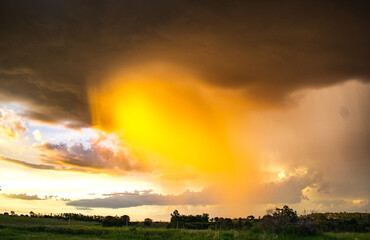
(37, 135)
(11, 125)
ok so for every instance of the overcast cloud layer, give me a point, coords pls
(49, 50)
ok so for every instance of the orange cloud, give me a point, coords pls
(101, 156)
(10, 124)
(183, 126)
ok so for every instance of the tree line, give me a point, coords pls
(105, 221)
(278, 220)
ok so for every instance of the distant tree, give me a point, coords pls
(285, 215)
(125, 219)
(175, 214)
(175, 218)
(205, 217)
(12, 213)
(286, 220)
(110, 221)
(147, 222)
(32, 214)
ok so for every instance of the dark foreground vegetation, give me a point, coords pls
(280, 223)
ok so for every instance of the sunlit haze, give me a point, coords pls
(146, 107)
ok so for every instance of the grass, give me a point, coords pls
(45, 228)
(35, 221)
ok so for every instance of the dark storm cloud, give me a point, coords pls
(50, 49)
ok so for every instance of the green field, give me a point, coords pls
(44, 228)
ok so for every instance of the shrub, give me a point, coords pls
(227, 236)
(256, 229)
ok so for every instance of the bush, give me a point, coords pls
(227, 236)
(256, 229)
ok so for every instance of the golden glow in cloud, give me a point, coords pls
(182, 126)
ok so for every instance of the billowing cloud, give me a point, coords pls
(289, 189)
(141, 198)
(266, 49)
(327, 131)
(101, 155)
(11, 125)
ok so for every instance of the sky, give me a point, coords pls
(221, 107)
